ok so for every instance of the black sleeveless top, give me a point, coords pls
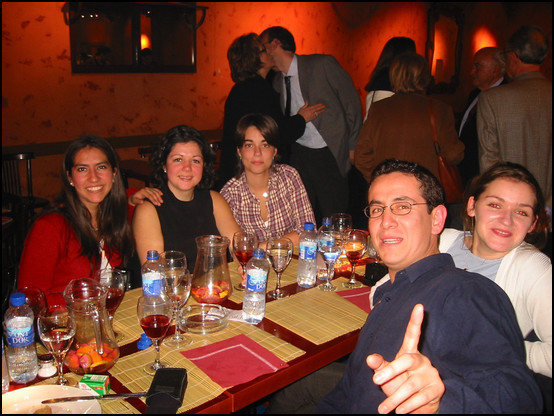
(183, 221)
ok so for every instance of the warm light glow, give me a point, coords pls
(144, 42)
(483, 38)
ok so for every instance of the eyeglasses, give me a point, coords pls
(397, 208)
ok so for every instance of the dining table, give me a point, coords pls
(299, 334)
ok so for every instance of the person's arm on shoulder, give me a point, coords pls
(224, 220)
(154, 195)
(147, 230)
(489, 143)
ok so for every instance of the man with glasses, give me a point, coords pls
(437, 338)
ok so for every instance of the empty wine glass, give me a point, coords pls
(243, 247)
(355, 247)
(154, 316)
(177, 287)
(56, 327)
(36, 299)
(115, 281)
(279, 252)
(330, 254)
(342, 224)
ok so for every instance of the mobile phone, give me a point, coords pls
(167, 390)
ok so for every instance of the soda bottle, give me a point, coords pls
(152, 272)
(324, 237)
(307, 269)
(20, 336)
(253, 303)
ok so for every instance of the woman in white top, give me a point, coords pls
(504, 207)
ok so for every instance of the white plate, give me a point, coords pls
(28, 400)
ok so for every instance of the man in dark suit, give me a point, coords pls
(325, 153)
(487, 71)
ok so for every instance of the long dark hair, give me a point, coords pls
(394, 47)
(182, 134)
(113, 223)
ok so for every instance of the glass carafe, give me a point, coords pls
(94, 349)
(211, 281)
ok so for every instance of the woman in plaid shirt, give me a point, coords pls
(267, 199)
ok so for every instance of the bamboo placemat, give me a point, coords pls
(316, 315)
(119, 406)
(201, 388)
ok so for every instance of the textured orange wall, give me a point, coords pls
(42, 101)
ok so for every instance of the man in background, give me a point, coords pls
(325, 153)
(487, 71)
(514, 121)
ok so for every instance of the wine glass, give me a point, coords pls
(177, 287)
(115, 281)
(279, 252)
(56, 327)
(330, 254)
(243, 247)
(154, 316)
(355, 247)
(342, 224)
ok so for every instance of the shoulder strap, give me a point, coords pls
(433, 127)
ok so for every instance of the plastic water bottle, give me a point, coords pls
(307, 269)
(324, 238)
(5, 375)
(20, 336)
(152, 271)
(253, 303)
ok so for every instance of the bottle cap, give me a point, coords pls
(144, 342)
(259, 252)
(152, 255)
(327, 221)
(17, 299)
(309, 226)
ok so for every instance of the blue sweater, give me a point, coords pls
(470, 334)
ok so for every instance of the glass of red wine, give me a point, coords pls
(243, 247)
(355, 247)
(154, 315)
(115, 281)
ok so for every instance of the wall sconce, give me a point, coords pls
(444, 47)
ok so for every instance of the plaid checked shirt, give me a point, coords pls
(287, 204)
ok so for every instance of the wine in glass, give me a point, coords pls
(154, 316)
(177, 288)
(279, 252)
(56, 327)
(330, 254)
(243, 247)
(115, 282)
(355, 247)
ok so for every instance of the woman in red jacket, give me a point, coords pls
(88, 227)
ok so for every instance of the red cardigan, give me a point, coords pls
(51, 257)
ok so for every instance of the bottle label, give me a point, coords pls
(152, 284)
(307, 251)
(256, 280)
(20, 337)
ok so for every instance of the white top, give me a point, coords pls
(525, 274)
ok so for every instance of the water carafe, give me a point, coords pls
(211, 281)
(94, 349)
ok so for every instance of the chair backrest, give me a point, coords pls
(11, 182)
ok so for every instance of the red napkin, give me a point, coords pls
(358, 296)
(235, 360)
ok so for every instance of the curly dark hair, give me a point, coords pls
(244, 57)
(182, 134)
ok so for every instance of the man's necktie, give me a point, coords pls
(288, 98)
